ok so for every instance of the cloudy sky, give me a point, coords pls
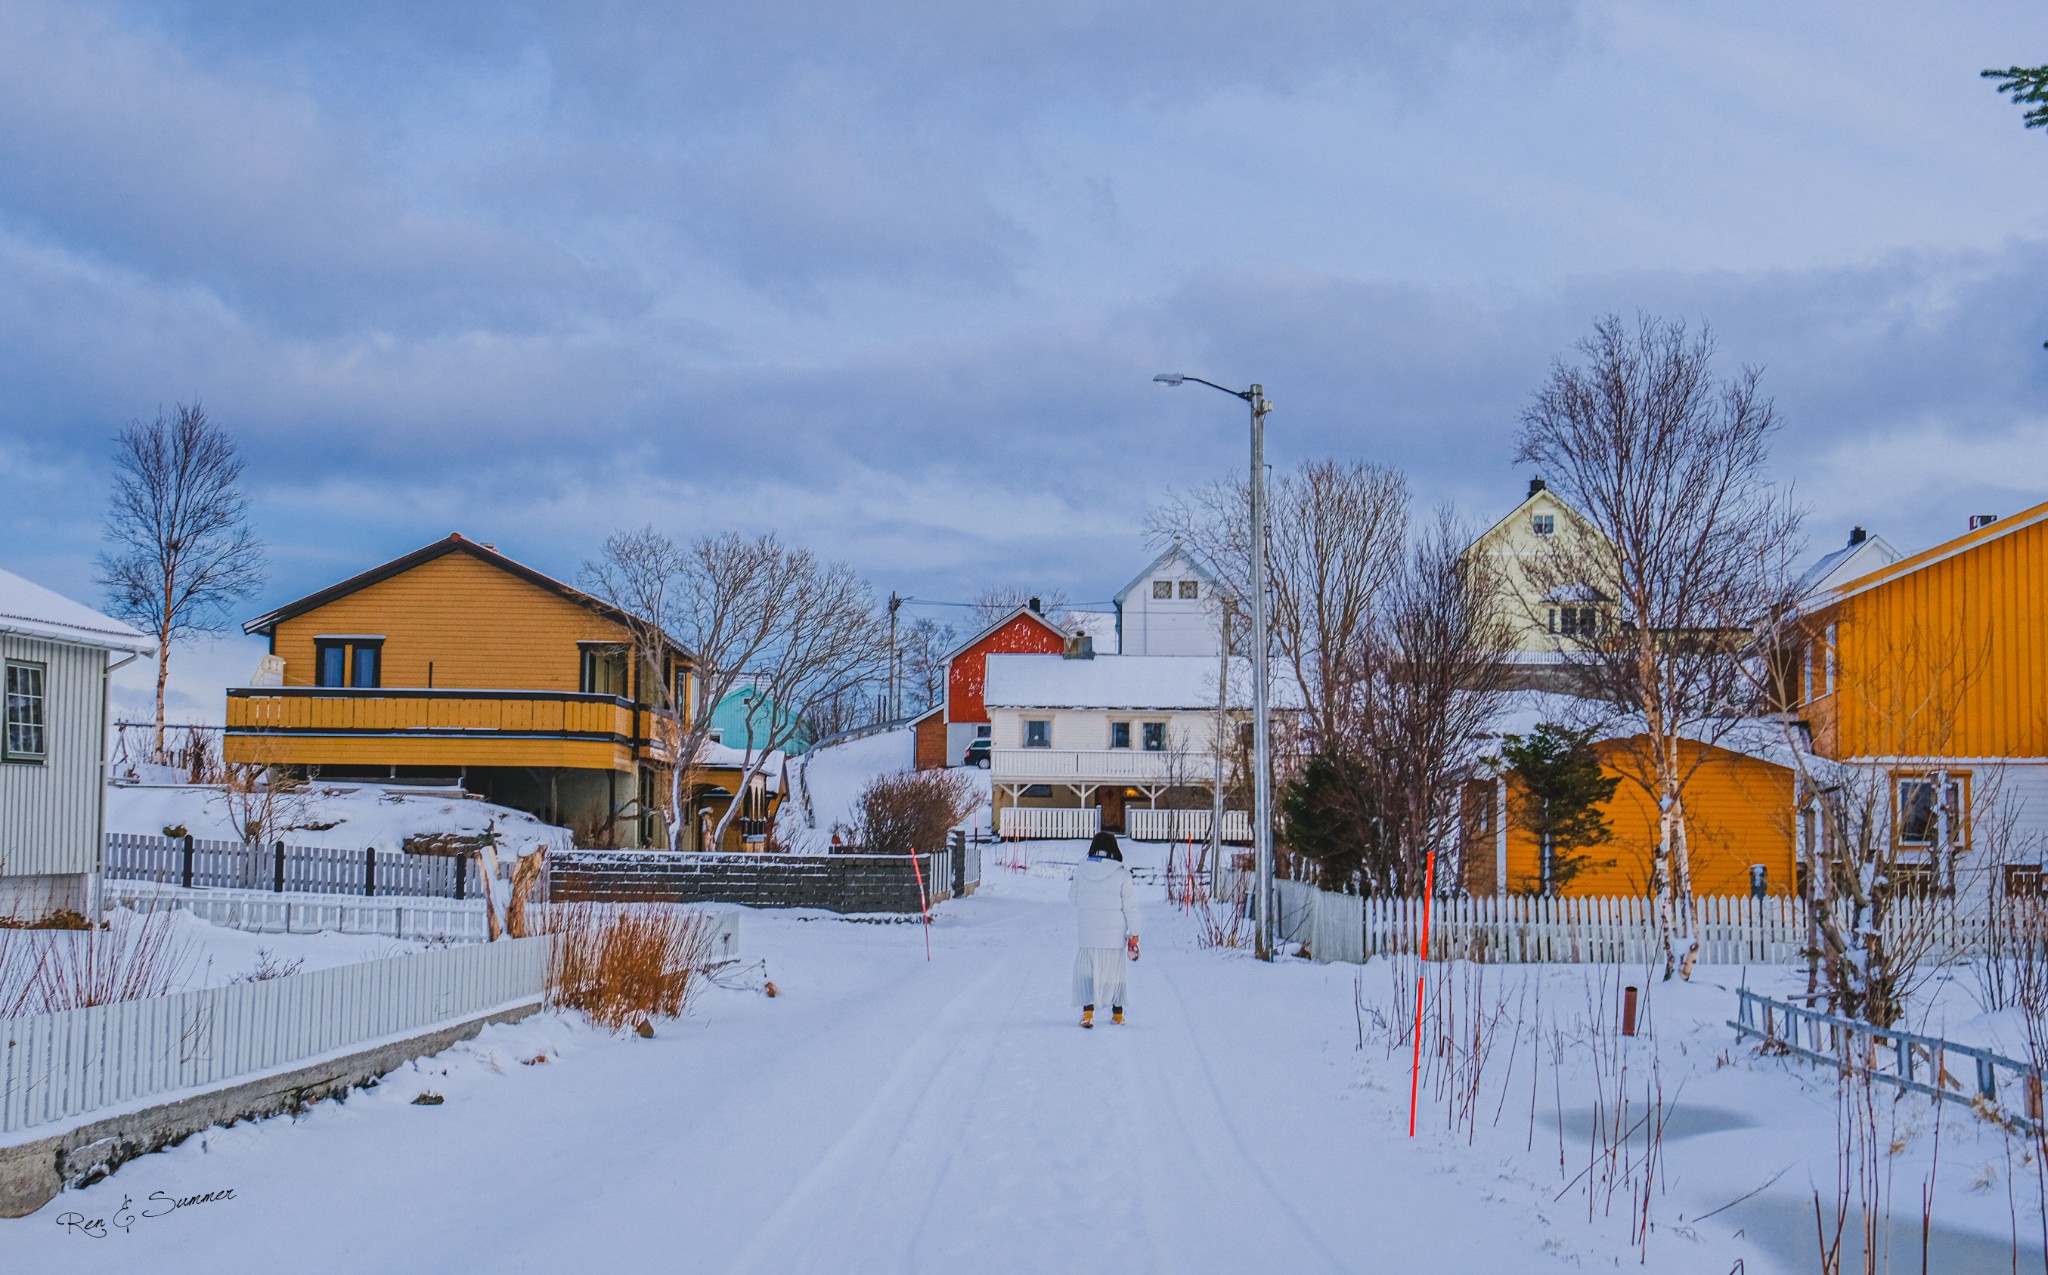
(892, 278)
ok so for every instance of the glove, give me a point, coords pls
(1131, 944)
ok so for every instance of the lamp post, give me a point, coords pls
(1262, 764)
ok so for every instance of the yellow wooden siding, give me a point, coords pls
(478, 626)
(1738, 812)
(1946, 660)
(377, 728)
(450, 751)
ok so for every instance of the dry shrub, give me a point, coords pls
(622, 965)
(48, 971)
(910, 811)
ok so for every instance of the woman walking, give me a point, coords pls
(1106, 918)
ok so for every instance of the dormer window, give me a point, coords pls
(1162, 590)
(1543, 524)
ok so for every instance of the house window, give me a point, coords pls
(1806, 677)
(2023, 880)
(1575, 621)
(24, 738)
(1543, 524)
(1155, 737)
(1910, 880)
(1828, 662)
(981, 731)
(1037, 790)
(604, 670)
(1162, 588)
(1038, 734)
(352, 662)
(1919, 813)
(1119, 734)
(1190, 590)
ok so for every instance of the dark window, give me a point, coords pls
(1543, 524)
(348, 662)
(1910, 880)
(604, 670)
(1162, 588)
(1038, 734)
(24, 739)
(981, 731)
(1919, 815)
(1038, 790)
(1155, 737)
(1119, 734)
(1190, 589)
(2023, 880)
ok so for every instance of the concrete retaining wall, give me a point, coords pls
(832, 882)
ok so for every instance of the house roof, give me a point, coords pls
(1539, 494)
(1014, 613)
(455, 542)
(1858, 558)
(1176, 549)
(31, 610)
(1185, 682)
(1942, 552)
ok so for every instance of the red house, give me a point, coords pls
(944, 734)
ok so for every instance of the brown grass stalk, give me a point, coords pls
(621, 966)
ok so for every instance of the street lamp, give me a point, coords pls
(1262, 778)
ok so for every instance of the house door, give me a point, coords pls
(1112, 809)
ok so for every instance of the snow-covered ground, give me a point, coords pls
(353, 816)
(886, 1113)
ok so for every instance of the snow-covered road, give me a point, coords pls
(886, 1113)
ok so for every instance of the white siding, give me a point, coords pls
(50, 812)
(1175, 625)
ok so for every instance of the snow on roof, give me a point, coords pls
(1857, 558)
(33, 611)
(1123, 681)
(1522, 711)
(1099, 625)
(1174, 550)
(717, 756)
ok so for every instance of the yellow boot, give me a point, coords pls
(1087, 1018)
(1117, 1017)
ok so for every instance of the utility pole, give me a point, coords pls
(1262, 743)
(895, 659)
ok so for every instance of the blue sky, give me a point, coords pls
(892, 279)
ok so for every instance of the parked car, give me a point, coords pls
(977, 754)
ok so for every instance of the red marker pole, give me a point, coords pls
(924, 904)
(1415, 1070)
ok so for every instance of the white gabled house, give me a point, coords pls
(1172, 607)
(1135, 744)
(55, 659)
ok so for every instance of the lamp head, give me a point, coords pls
(1169, 378)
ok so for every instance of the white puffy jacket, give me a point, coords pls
(1105, 905)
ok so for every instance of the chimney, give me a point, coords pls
(1535, 485)
(492, 545)
(1857, 536)
(1982, 520)
(1080, 646)
(1037, 606)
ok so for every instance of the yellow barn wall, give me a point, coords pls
(479, 627)
(1738, 812)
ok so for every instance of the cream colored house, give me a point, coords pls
(1547, 618)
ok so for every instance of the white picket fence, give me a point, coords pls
(1064, 823)
(262, 912)
(1185, 825)
(58, 1066)
(1733, 930)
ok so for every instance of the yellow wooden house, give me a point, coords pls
(454, 664)
(1934, 670)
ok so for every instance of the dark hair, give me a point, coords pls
(1105, 847)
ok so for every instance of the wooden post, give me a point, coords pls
(370, 873)
(185, 873)
(1628, 1011)
(461, 871)
(2034, 1097)
(277, 880)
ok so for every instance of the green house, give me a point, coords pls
(749, 716)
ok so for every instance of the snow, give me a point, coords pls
(1122, 681)
(886, 1113)
(833, 776)
(30, 609)
(360, 815)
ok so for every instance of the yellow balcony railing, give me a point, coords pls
(325, 725)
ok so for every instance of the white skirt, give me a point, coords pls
(1099, 976)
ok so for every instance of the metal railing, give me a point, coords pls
(1901, 1058)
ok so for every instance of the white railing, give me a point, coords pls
(1060, 764)
(283, 868)
(262, 912)
(58, 1066)
(1184, 825)
(1041, 822)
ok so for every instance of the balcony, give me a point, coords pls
(330, 726)
(1098, 765)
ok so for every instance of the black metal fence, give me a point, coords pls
(288, 869)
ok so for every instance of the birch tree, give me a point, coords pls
(179, 549)
(1669, 465)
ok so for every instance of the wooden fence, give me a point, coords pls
(1733, 930)
(419, 918)
(58, 1066)
(282, 869)
(1063, 823)
(1185, 825)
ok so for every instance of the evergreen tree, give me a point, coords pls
(2029, 87)
(1559, 791)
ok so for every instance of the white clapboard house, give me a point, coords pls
(55, 658)
(1134, 744)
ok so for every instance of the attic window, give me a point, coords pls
(1162, 589)
(1543, 524)
(1190, 589)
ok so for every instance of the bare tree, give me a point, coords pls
(1338, 536)
(179, 549)
(997, 601)
(925, 644)
(1668, 464)
(744, 610)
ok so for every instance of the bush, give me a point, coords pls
(44, 971)
(624, 965)
(911, 810)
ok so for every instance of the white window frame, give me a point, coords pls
(1543, 524)
(1148, 732)
(41, 701)
(1127, 735)
(1830, 666)
(1045, 739)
